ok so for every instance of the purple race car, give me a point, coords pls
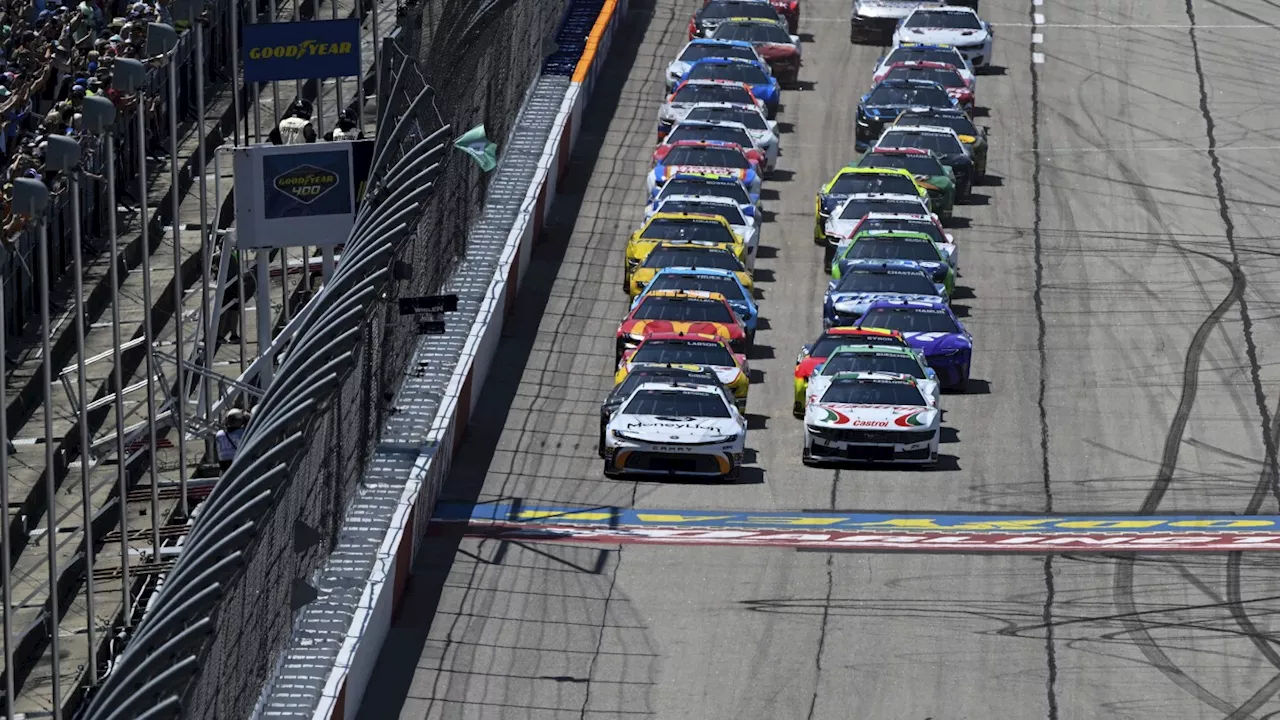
(931, 327)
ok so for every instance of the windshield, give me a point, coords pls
(856, 209)
(693, 257)
(703, 50)
(720, 10)
(687, 352)
(707, 156)
(873, 392)
(937, 142)
(908, 282)
(641, 375)
(749, 118)
(683, 310)
(948, 20)
(684, 131)
(674, 403)
(730, 213)
(856, 183)
(704, 93)
(738, 72)
(960, 123)
(753, 33)
(893, 248)
(827, 344)
(920, 320)
(949, 56)
(720, 188)
(904, 225)
(728, 287)
(896, 95)
(873, 362)
(687, 229)
(944, 77)
(915, 164)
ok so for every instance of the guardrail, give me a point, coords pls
(381, 594)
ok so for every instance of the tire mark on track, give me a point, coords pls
(826, 610)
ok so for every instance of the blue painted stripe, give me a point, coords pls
(614, 516)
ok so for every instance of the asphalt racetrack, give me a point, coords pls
(1119, 276)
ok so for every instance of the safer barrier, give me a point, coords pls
(381, 595)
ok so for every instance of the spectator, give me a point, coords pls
(229, 439)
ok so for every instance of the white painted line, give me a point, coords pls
(1039, 22)
(1037, 38)
(1038, 19)
(1037, 3)
(1037, 58)
(1148, 148)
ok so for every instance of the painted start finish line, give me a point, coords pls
(909, 532)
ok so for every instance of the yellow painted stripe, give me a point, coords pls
(593, 41)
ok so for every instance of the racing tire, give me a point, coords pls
(797, 411)
(600, 449)
(610, 471)
(751, 340)
(734, 474)
(963, 385)
(828, 256)
(808, 460)
(964, 192)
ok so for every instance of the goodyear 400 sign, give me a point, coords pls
(301, 50)
(289, 195)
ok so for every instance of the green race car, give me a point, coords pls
(973, 136)
(881, 245)
(928, 170)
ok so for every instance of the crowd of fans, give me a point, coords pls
(53, 54)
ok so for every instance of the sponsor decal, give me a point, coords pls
(834, 416)
(301, 50)
(913, 420)
(306, 183)
(870, 423)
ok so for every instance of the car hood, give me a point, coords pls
(929, 266)
(856, 302)
(674, 430)
(818, 384)
(943, 36)
(936, 342)
(670, 171)
(679, 68)
(897, 9)
(646, 327)
(847, 416)
(776, 51)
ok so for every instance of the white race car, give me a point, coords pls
(723, 130)
(700, 48)
(670, 428)
(921, 52)
(763, 130)
(726, 187)
(959, 27)
(849, 213)
(907, 362)
(743, 226)
(692, 93)
(871, 417)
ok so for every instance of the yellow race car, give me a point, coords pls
(675, 226)
(692, 253)
(851, 181)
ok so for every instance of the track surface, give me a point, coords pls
(1121, 282)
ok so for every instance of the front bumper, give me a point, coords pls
(953, 370)
(868, 129)
(886, 446)
(669, 460)
(864, 26)
(979, 55)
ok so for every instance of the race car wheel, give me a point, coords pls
(601, 449)
(797, 410)
(807, 459)
(610, 471)
(963, 385)
(965, 191)
(734, 474)
(828, 255)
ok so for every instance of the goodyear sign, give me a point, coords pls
(290, 195)
(307, 184)
(301, 50)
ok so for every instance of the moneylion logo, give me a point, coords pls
(306, 183)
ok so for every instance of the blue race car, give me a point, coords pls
(725, 282)
(751, 72)
(888, 99)
(865, 281)
(708, 184)
(932, 328)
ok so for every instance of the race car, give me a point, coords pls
(849, 181)
(677, 226)
(754, 73)
(701, 48)
(959, 27)
(862, 282)
(973, 136)
(926, 168)
(875, 358)
(887, 99)
(941, 140)
(871, 417)
(707, 184)
(779, 48)
(672, 428)
(790, 12)
(764, 132)
(927, 224)
(743, 226)
(934, 329)
(708, 157)
(875, 20)
(923, 52)
(680, 311)
(690, 94)
(851, 211)
(897, 245)
(707, 18)
(707, 351)
(815, 353)
(724, 282)
(724, 132)
(691, 253)
(690, 374)
(948, 76)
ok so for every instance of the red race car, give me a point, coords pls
(771, 39)
(697, 312)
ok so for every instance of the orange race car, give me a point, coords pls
(681, 311)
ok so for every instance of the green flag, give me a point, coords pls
(474, 143)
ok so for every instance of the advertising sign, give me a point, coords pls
(290, 195)
(301, 50)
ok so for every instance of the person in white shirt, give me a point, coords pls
(229, 438)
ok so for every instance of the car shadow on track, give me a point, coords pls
(761, 352)
(992, 181)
